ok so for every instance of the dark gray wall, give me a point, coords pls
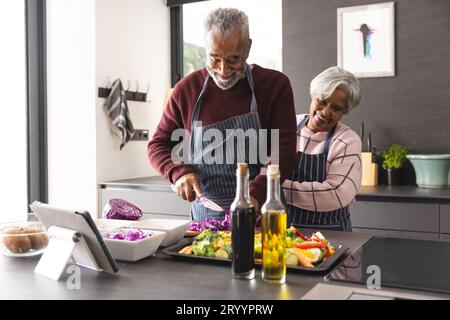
(412, 108)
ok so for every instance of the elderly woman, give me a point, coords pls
(328, 173)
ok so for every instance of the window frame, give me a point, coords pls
(176, 44)
(36, 66)
(176, 38)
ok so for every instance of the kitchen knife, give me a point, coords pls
(203, 201)
(361, 134)
(369, 143)
(208, 203)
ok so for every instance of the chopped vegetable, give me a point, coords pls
(314, 255)
(310, 244)
(208, 242)
(130, 234)
(211, 224)
(306, 253)
(216, 224)
(302, 260)
(186, 250)
(299, 234)
(221, 253)
(291, 259)
(121, 209)
(317, 236)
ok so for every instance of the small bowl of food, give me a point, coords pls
(174, 228)
(133, 244)
(23, 239)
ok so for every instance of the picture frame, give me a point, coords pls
(366, 39)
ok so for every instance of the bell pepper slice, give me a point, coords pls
(327, 249)
(300, 235)
(310, 245)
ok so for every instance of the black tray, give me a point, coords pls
(322, 267)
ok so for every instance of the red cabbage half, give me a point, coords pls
(121, 209)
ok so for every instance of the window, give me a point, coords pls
(265, 28)
(22, 61)
(13, 162)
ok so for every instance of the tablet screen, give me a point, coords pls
(81, 222)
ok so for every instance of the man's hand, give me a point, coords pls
(187, 185)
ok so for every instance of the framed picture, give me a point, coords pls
(366, 40)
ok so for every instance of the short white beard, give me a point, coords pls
(224, 85)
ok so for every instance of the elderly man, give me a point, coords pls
(239, 97)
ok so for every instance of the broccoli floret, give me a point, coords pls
(203, 234)
(210, 251)
(290, 232)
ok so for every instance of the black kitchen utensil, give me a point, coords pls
(369, 143)
(361, 134)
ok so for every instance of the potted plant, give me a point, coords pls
(393, 160)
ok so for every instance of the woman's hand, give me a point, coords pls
(187, 185)
(255, 203)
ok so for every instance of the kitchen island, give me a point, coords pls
(162, 277)
(159, 277)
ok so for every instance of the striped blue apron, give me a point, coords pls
(312, 167)
(218, 180)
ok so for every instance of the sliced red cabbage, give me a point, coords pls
(121, 209)
(216, 224)
(130, 234)
(212, 224)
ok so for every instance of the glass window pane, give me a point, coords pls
(264, 23)
(13, 130)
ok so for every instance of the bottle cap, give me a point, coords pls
(273, 170)
(242, 168)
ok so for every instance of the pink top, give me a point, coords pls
(343, 177)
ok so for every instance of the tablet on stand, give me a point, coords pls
(73, 238)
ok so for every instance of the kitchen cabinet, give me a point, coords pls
(152, 195)
(398, 233)
(445, 218)
(402, 211)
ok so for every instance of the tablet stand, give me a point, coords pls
(65, 246)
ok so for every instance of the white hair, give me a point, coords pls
(226, 20)
(326, 82)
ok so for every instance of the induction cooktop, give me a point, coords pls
(399, 263)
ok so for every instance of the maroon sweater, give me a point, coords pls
(275, 102)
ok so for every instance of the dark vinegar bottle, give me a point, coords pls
(243, 227)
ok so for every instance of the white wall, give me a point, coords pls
(89, 40)
(71, 103)
(133, 43)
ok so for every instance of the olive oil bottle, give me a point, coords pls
(273, 227)
(243, 227)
